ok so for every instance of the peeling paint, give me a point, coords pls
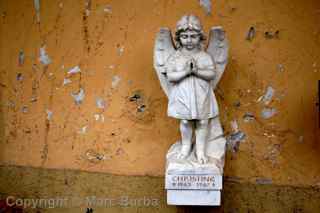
(37, 9)
(115, 81)
(233, 140)
(234, 126)
(280, 67)
(270, 35)
(267, 113)
(33, 98)
(120, 151)
(83, 130)
(251, 34)
(100, 103)
(135, 97)
(44, 58)
(21, 58)
(108, 9)
(237, 136)
(248, 116)
(87, 12)
(141, 108)
(74, 70)
(96, 117)
(49, 114)
(237, 104)
(120, 50)
(19, 77)
(24, 109)
(10, 104)
(94, 156)
(206, 5)
(88, 7)
(268, 95)
(66, 81)
(78, 97)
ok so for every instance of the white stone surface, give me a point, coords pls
(215, 151)
(191, 181)
(188, 74)
(194, 197)
(195, 192)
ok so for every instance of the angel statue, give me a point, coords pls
(188, 73)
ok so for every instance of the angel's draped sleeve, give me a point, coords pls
(205, 62)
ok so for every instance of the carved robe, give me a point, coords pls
(192, 97)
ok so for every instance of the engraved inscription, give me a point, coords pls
(193, 182)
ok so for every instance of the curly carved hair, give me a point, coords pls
(189, 22)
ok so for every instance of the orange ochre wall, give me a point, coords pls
(112, 43)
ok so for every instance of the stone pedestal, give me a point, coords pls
(190, 183)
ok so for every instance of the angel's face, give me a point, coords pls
(190, 39)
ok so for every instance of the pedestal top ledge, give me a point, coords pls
(215, 151)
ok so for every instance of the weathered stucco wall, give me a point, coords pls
(112, 43)
(80, 190)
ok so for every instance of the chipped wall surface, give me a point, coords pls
(78, 89)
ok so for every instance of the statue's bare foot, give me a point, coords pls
(184, 152)
(202, 158)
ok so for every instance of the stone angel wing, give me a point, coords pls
(163, 48)
(218, 49)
